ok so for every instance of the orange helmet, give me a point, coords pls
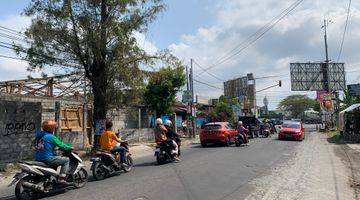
(49, 125)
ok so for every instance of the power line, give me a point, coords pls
(345, 28)
(207, 71)
(266, 28)
(208, 85)
(274, 76)
(12, 31)
(61, 61)
(256, 38)
(254, 34)
(11, 57)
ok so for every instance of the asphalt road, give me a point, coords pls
(213, 173)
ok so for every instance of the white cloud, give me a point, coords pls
(298, 37)
(16, 22)
(11, 68)
(145, 44)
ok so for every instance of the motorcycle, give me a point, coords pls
(37, 178)
(106, 163)
(239, 140)
(163, 153)
(266, 133)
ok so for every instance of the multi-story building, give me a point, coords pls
(243, 89)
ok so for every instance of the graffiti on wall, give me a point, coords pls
(19, 128)
(19, 118)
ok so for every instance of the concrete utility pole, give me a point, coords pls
(187, 103)
(326, 71)
(192, 99)
(326, 22)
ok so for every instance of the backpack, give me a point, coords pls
(39, 144)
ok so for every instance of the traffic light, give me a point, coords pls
(279, 83)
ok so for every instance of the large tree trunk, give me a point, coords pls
(100, 106)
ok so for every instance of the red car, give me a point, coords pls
(292, 130)
(217, 132)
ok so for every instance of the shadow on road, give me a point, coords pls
(208, 146)
(43, 196)
(12, 197)
(146, 164)
(336, 139)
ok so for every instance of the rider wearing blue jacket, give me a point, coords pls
(45, 148)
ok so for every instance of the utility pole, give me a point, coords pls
(326, 67)
(326, 70)
(326, 22)
(188, 110)
(192, 99)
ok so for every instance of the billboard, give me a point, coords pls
(317, 76)
(202, 100)
(354, 90)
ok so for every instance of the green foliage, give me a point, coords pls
(317, 107)
(95, 38)
(160, 93)
(349, 100)
(274, 115)
(295, 105)
(223, 110)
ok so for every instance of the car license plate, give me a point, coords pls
(288, 136)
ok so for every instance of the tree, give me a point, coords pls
(295, 105)
(223, 110)
(160, 93)
(349, 100)
(91, 37)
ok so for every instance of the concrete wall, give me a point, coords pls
(18, 123)
(136, 135)
(128, 118)
(31, 111)
(126, 122)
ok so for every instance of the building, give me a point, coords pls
(243, 89)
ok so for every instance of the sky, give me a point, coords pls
(207, 30)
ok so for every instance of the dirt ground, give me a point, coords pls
(317, 170)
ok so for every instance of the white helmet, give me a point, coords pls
(159, 121)
(168, 122)
(240, 123)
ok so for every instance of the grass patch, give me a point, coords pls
(334, 137)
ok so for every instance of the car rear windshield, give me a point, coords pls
(291, 125)
(212, 127)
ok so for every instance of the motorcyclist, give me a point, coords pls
(243, 131)
(108, 140)
(172, 136)
(45, 144)
(267, 126)
(160, 134)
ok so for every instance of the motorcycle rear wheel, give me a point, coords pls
(22, 193)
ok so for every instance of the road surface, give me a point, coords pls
(267, 169)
